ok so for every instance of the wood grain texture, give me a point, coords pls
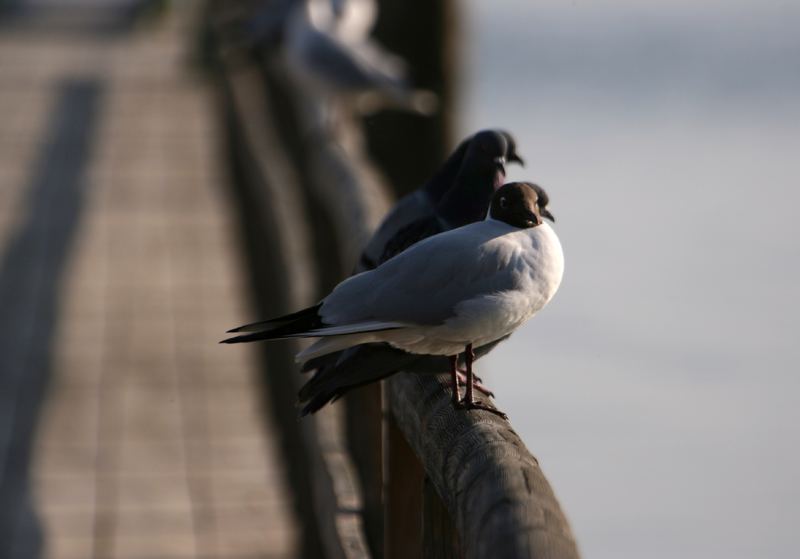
(500, 501)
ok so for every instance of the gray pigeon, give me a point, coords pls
(422, 203)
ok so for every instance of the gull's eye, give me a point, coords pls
(503, 202)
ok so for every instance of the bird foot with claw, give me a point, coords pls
(463, 404)
(477, 385)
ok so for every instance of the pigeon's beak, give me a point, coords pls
(546, 213)
(500, 164)
(514, 158)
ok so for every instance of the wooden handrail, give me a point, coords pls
(323, 481)
(498, 497)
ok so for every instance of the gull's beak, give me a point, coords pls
(546, 213)
(533, 219)
(500, 164)
(514, 158)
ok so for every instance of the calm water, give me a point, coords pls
(660, 389)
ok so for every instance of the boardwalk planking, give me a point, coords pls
(151, 442)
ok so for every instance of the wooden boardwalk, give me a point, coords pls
(132, 433)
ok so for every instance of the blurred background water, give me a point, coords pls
(660, 388)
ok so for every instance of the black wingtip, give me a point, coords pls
(306, 407)
(247, 327)
(305, 319)
(240, 339)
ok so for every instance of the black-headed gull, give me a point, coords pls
(337, 373)
(445, 295)
(350, 20)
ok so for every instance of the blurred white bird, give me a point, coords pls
(350, 20)
(327, 47)
(451, 292)
(354, 19)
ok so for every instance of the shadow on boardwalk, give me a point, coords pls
(30, 276)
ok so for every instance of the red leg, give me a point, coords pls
(469, 357)
(469, 402)
(478, 383)
(454, 378)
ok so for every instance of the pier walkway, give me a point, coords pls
(126, 431)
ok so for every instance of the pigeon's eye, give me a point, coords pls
(503, 202)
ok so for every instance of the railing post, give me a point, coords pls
(425, 33)
(439, 536)
(404, 501)
(365, 436)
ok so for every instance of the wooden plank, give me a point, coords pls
(365, 428)
(32, 267)
(150, 443)
(403, 497)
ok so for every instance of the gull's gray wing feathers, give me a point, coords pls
(424, 284)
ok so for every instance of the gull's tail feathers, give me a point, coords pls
(308, 324)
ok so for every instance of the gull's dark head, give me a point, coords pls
(544, 200)
(511, 148)
(519, 205)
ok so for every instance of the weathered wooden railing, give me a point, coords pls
(399, 472)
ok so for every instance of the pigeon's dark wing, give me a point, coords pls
(410, 235)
